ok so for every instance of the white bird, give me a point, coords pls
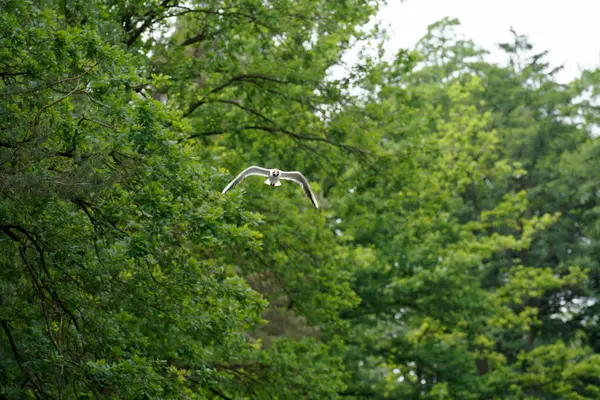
(273, 178)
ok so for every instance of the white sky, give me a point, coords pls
(569, 29)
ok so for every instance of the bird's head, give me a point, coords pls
(275, 172)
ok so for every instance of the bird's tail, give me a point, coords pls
(268, 182)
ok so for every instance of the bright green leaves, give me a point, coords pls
(554, 370)
(454, 255)
(285, 369)
(481, 258)
(128, 273)
(518, 301)
(534, 282)
(114, 237)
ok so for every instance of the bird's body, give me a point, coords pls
(274, 177)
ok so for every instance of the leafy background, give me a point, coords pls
(455, 256)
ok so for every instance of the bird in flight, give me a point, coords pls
(273, 178)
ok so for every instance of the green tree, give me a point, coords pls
(125, 273)
(455, 255)
(466, 221)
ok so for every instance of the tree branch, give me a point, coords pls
(7, 229)
(221, 395)
(251, 78)
(17, 356)
(275, 130)
(7, 145)
(201, 36)
(222, 13)
(13, 344)
(150, 18)
(5, 74)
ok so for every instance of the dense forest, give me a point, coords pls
(455, 253)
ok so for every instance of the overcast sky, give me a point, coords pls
(569, 29)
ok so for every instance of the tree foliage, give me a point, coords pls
(483, 284)
(455, 255)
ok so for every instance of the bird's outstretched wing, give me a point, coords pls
(253, 170)
(297, 177)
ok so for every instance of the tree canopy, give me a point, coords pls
(455, 256)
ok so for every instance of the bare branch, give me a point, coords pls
(9, 233)
(222, 12)
(247, 109)
(275, 130)
(39, 114)
(150, 18)
(13, 346)
(194, 39)
(112, 128)
(251, 78)
(248, 78)
(55, 102)
(5, 74)
(201, 36)
(58, 82)
(8, 230)
(208, 133)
